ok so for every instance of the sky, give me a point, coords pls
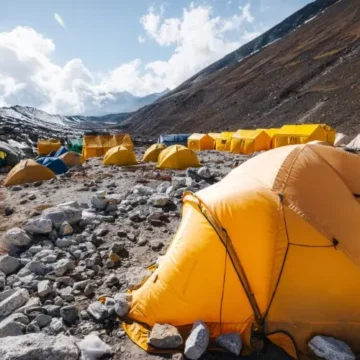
(65, 56)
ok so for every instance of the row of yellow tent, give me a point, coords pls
(173, 157)
(249, 141)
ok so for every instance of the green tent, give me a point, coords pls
(75, 145)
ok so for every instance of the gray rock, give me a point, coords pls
(62, 266)
(66, 294)
(38, 225)
(101, 231)
(98, 311)
(38, 346)
(81, 285)
(16, 237)
(156, 245)
(52, 310)
(117, 247)
(165, 337)
(63, 212)
(161, 188)
(55, 326)
(58, 301)
(13, 325)
(122, 303)
(204, 172)
(178, 182)
(66, 229)
(198, 341)
(155, 214)
(65, 243)
(2, 280)
(170, 190)
(136, 276)
(89, 290)
(111, 280)
(44, 288)
(43, 320)
(99, 203)
(93, 348)
(101, 194)
(135, 215)
(330, 348)
(33, 327)
(13, 302)
(33, 267)
(230, 342)
(16, 188)
(8, 264)
(142, 190)
(159, 200)
(32, 197)
(35, 249)
(34, 301)
(69, 314)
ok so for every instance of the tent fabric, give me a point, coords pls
(60, 151)
(198, 142)
(72, 158)
(321, 132)
(153, 152)
(13, 155)
(250, 141)
(341, 139)
(174, 139)
(274, 244)
(223, 142)
(28, 171)
(98, 145)
(75, 145)
(282, 137)
(56, 165)
(46, 146)
(120, 155)
(177, 157)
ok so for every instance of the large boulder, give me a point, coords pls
(198, 341)
(93, 348)
(38, 346)
(13, 325)
(16, 237)
(330, 349)
(13, 302)
(8, 264)
(230, 342)
(165, 337)
(70, 212)
(38, 225)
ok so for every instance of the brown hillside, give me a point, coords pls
(312, 75)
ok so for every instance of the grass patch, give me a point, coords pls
(327, 54)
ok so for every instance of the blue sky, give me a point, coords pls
(98, 48)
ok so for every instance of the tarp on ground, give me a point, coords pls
(341, 139)
(223, 142)
(60, 151)
(120, 155)
(28, 171)
(72, 158)
(56, 165)
(271, 246)
(199, 142)
(153, 152)
(12, 154)
(177, 157)
(46, 146)
(98, 145)
(250, 141)
(173, 139)
(75, 145)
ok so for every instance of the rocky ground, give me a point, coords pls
(112, 224)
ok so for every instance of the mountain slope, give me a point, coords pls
(309, 75)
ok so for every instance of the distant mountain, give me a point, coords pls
(120, 102)
(305, 69)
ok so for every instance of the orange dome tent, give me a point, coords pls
(275, 244)
(120, 155)
(153, 152)
(28, 171)
(177, 157)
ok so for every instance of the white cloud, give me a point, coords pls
(248, 36)
(28, 76)
(59, 20)
(141, 39)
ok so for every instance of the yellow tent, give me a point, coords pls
(249, 141)
(28, 171)
(98, 145)
(120, 155)
(177, 157)
(312, 131)
(153, 152)
(275, 244)
(198, 142)
(46, 146)
(282, 137)
(72, 158)
(223, 142)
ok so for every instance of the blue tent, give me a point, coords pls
(56, 165)
(61, 151)
(174, 139)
